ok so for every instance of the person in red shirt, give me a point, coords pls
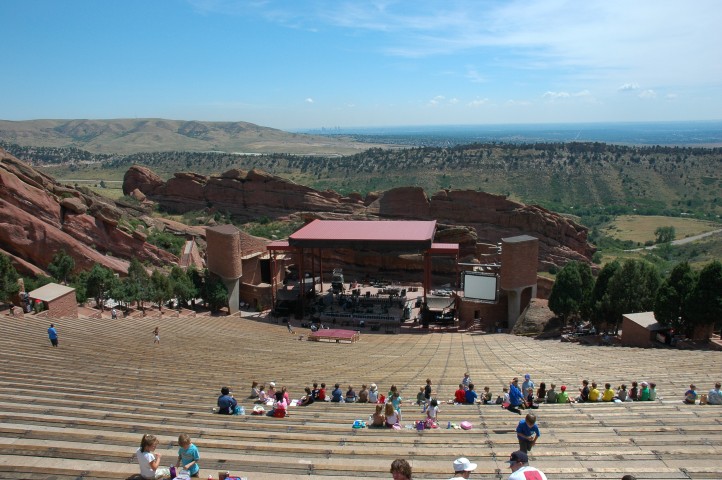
(460, 394)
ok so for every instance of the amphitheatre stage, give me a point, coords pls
(79, 411)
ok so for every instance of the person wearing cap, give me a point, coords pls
(563, 396)
(516, 398)
(373, 393)
(528, 383)
(463, 468)
(520, 469)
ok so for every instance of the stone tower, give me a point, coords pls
(519, 260)
(224, 259)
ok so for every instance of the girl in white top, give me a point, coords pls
(432, 412)
(392, 416)
(149, 461)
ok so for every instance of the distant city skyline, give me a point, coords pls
(301, 64)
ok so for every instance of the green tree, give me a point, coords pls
(196, 278)
(632, 289)
(99, 283)
(664, 234)
(671, 305)
(705, 301)
(182, 286)
(602, 315)
(8, 279)
(216, 293)
(138, 282)
(61, 266)
(160, 288)
(572, 291)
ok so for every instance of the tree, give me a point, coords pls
(671, 305)
(61, 266)
(138, 282)
(632, 289)
(572, 291)
(664, 234)
(602, 315)
(216, 293)
(99, 283)
(705, 300)
(8, 279)
(160, 288)
(182, 286)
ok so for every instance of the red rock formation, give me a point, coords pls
(39, 217)
(486, 217)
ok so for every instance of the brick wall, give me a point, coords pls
(224, 251)
(519, 260)
(63, 307)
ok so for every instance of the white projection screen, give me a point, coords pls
(480, 286)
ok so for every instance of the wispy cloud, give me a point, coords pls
(562, 95)
(647, 94)
(478, 102)
(628, 87)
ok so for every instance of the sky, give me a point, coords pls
(303, 64)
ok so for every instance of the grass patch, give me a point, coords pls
(640, 229)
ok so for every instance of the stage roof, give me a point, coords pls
(375, 235)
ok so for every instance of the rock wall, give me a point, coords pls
(464, 216)
(39, 217)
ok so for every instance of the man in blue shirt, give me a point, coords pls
(471, 395)
(53, 335)
(226, 403)
(528, 433)
(337, 393)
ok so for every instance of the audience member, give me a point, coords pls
(336, 393)
(714, 397)
(350, 395)
(594, 394)
(583, 392)
(622, 394)
(322, 392)
(690, 396)
(314, 392)
(432, 413)
(373, 393)
(254, 390)
(634, 392)
(652, 391)
(644, 392)
(460, 394)
(527, 432)
(427, 391)
(400, 469)
(271, 392)
(393, 416)
(396, 400)
(563, 396)
(527, 384)
(378, 419)
(466, 380)
(280, 406)
(608, 394)
(516, 399)
(306, 399)
(470, 395)
(188, 455)
(520, 469)
(53, 335)
(226, 403)
(541, 392)
(149, 461)
(262, 395)
(286, 397)
(363, 394)
(420, 399)
(529, 401)
(486, 396)
(463, 467)
(551, 394)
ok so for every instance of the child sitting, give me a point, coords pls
(690, 396)
(486, 396)
(460, 394)
(188, 455)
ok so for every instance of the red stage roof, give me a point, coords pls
(365, 234)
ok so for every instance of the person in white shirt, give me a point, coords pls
(520, 469)
(149, 461)
(463, 468)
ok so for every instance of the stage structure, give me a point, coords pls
(391, 235)
(224, 259)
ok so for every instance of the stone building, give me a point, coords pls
(59, 300)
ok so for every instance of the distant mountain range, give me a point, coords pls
(127, 136)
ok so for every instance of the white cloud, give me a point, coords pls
(518, 103)
(647, 94)
(478, 102)
(309, 100)
(453, 101)
(628, 87)
(671, 96)
(560, 95)
(474, 76)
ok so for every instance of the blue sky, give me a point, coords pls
(309, 64)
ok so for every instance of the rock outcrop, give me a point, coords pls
(465, 216)
(39, 217)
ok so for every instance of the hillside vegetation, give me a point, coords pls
(591, 180)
